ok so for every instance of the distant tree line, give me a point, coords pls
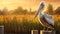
(20, 10)
(51, 11)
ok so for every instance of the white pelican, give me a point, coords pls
(46, 20)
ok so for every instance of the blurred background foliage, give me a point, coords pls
(22, 21)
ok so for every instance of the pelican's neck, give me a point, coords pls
(41, 14)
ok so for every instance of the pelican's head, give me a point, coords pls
(41, 7)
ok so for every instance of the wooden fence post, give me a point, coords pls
(34, 31)
(1, 29)
(46, 32)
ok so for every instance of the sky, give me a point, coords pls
(26, 4)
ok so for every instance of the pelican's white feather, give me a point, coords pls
(49, 19)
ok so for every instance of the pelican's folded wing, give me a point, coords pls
(49, 19)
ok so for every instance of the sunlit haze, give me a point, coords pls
(25, 4)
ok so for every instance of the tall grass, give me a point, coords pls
(23, 24)
(19, 23)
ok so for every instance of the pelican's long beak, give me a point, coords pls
(37, 13)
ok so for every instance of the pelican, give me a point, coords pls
(46, 20)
